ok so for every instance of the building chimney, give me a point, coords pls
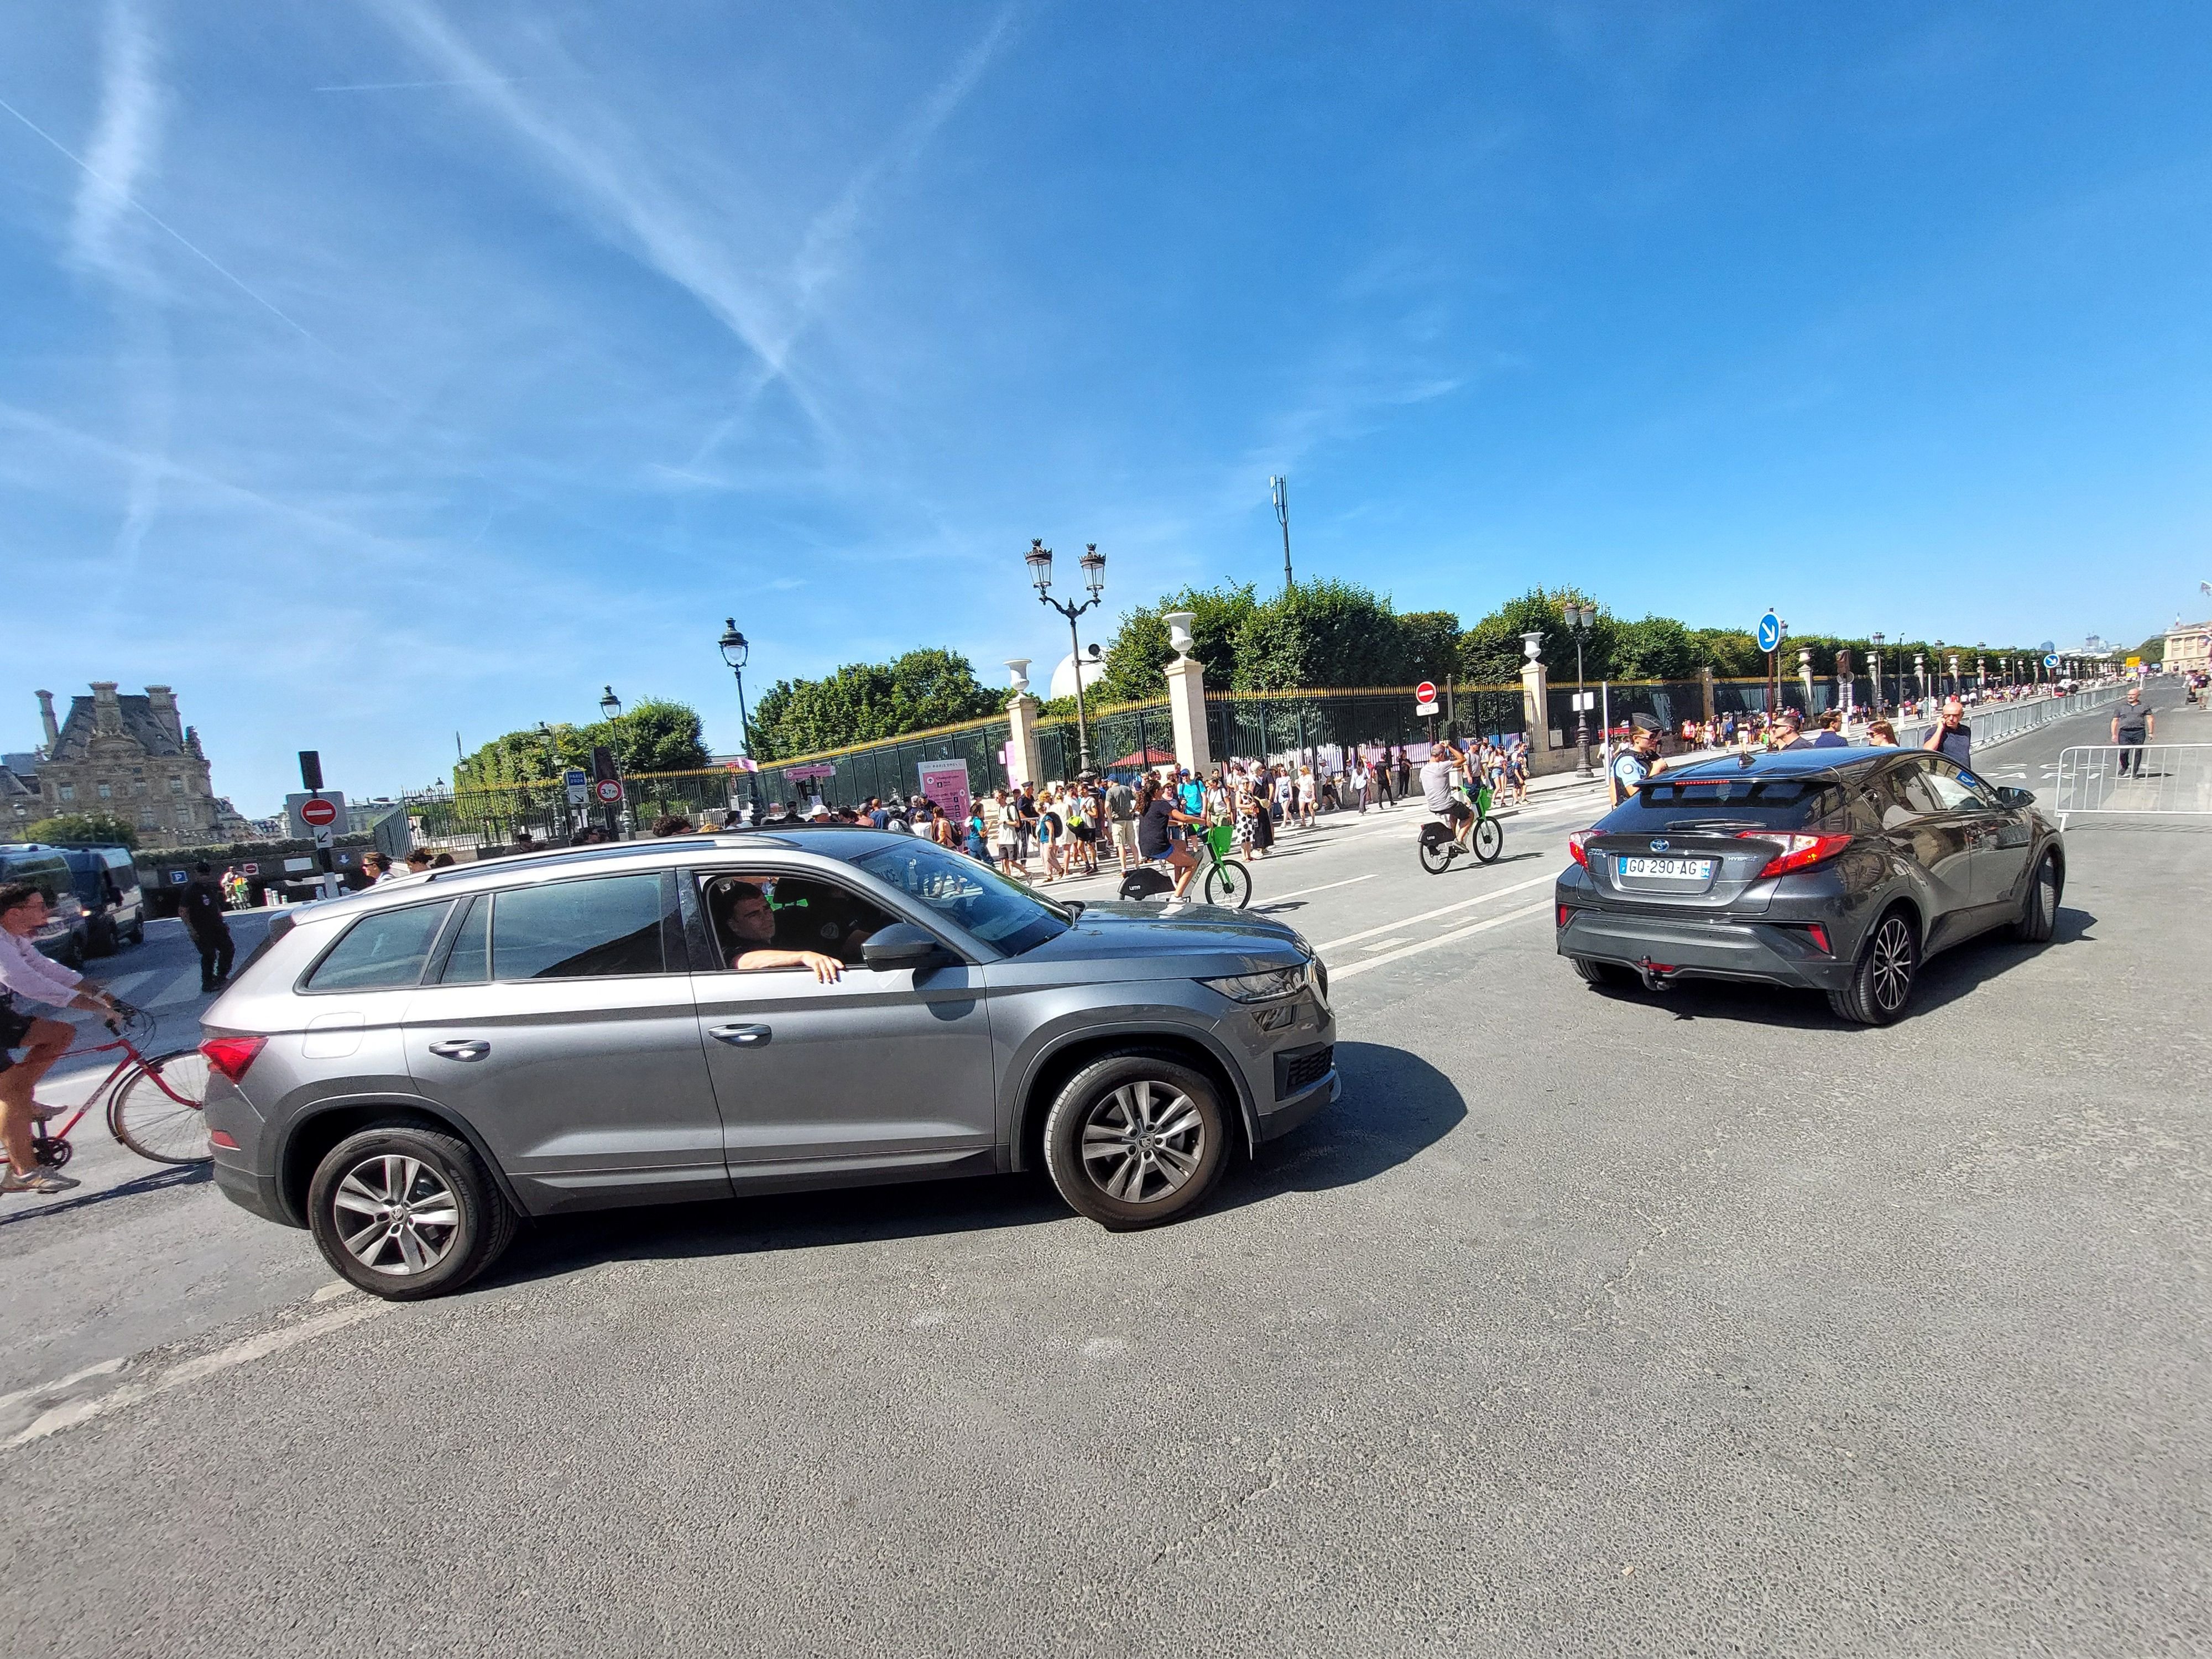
(46, 717)
(106, 709)
(163, 701)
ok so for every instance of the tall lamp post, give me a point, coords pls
(611, 711)
(1875, 641)
(734, 653)
(553, 773)
(1093, 562)
(1580, 620)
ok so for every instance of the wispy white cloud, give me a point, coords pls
(126, 145)
(625, 194)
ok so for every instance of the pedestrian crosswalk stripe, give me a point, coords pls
(127, 983)
(183, 988)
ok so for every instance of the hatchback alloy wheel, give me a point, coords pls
(1891, 977)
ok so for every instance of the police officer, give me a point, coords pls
(1633, 764)
(201, 906)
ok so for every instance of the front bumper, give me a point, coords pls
(1666, 948)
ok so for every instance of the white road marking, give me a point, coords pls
(1337, 973)
(183, 988)
(1300, 892)
(105, 1368)
(128, 982)
(74, 1412)
(1385, 943)
(1442, 910)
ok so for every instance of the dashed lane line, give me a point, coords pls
(70, 1414)
(1431, 915)
(1484, 926)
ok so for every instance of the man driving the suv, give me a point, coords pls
(749, 920)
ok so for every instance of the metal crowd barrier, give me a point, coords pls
(2000, 722)
(2159, 778)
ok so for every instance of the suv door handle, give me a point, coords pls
(744, 1036)
(461, 1049)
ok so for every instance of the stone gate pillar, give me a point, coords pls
(1187, 699)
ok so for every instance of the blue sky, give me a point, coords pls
(374, 369)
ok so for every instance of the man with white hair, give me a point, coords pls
(1951, 737)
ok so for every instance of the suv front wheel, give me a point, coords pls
(406, 1211)
(1136, 1139)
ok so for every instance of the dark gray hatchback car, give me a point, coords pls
(1835, 870)
(407, 1071)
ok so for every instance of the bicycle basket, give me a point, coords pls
(1222, 838)
(1482, 802)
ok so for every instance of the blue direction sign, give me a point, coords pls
(1770, 631)
(2050, 662)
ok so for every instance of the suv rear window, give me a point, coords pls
(1770, 803)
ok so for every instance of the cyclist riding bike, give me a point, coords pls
(1441, 773)
(25, 973)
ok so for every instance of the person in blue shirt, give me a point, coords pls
(1633, 764)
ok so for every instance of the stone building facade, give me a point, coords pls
(131, 758)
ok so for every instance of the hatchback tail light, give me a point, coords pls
(1577, 844)
(232, 1055)
(1798, 852)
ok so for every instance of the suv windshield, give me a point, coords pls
(1002, 913)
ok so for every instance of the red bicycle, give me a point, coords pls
(155, 1106)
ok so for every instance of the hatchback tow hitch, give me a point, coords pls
(1657, 975)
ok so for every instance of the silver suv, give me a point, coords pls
(407, 1071)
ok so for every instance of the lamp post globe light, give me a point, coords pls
(1580, 619)
(1093, 566)
(735, 652)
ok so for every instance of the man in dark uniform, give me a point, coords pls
(201, 906)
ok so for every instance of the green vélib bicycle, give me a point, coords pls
(1225, 881)
(1440, 846)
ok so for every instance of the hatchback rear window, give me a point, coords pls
(1769, 803)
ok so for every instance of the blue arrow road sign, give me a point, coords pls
(2050, 662)
(1770, 631)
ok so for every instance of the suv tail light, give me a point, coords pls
(1798, 852)
(232, 1055)
(1577, 843)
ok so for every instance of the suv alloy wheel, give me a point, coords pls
(1135, 1139)
(405, 1211)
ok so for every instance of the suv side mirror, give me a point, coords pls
(902, 944)
(2011, 797)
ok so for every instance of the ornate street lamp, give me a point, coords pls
(1093, 565)
(610, 706)
(1580, 619)
(735, 652)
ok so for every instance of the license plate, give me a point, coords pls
(1669, 869)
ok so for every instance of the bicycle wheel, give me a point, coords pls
(1228, 882)
(1436, 856)
(1489, 841)
(155, 1111)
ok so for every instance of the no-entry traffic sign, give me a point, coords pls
(318, 811)
(1425, 692)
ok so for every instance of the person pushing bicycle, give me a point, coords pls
(25, 973)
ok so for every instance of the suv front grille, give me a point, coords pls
(1301, 1068)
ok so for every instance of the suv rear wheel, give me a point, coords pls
(1135, 1139)
(1882, 984)
(406, 1211)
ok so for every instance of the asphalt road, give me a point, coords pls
(1587, 1323)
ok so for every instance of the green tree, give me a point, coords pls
(83, 829)
(1140, 650)
(656, 735)
(864, 701)
(1491, 652)
(1321, 634)
(1432, 645)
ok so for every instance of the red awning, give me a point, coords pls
(1144, 757)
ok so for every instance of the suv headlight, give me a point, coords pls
(1263, 987)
